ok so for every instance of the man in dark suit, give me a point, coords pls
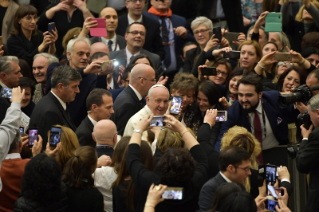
(234, 165)
(105, 136)
(135, 37)
(153, 41)
(52, 109)
(112, 40)
(307, 156)
(99, 105)
(174, 34)
(131, 100)
(219, 11)
(270, 125)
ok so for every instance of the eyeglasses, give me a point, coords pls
(247, 169)
(134, 1)
(153, 80)
(281, 63)
(200, 31)
(222, 73)
(137, 32)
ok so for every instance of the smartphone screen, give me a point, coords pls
(271, 191)
(33, 136)
(173, 193)
(21, 130)
(218, 33)
(51, 27)
(271, 204)
(270, 174)
(221, 115)
(55, 136)
(157, 121)
(6, 93)
(209, 71)
(176, 104)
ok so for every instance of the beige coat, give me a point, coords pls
(7, 22)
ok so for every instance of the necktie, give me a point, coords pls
(165, 39)
(132, 57)
(109, 44)
(143, 101)
(258, 135)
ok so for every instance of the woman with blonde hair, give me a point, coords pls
(239, 136)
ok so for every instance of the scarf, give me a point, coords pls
(153, 11)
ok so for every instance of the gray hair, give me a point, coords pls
(283, 39)
(314, 103)
(51, 58)
(71, 43)
(155, 86)
(201, 20)
(64, 74)
(5, 65)
(15, 144)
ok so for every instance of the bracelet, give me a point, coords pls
(260, 66)
(148, 205)
(184, 133)
(302, 62)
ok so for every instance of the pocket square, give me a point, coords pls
(279, 120)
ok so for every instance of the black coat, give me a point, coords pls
(153, 40)
(48, 112)
(84, 133)
(125, 106)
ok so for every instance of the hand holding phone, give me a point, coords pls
(270, 174)
(158, 121)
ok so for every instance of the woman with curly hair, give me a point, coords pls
(77, 175)
(42, 188)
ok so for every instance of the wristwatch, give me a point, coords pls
(138, 131)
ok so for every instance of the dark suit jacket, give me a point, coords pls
(125, 106)
(232, 11)
(178, 41)
(189, 59)
(121, 58)
(153, 40)
(119, 39)
(48, 112)
(307, 162)
(104, 151)
(115, 93)
(277, 118)
(84, 133)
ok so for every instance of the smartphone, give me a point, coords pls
(33, 136)
(273, 22)
(158, 121)
(106, 63)
(232, 54)
(55, 136)
(272, 191)
(173, 193)
(209, 71)
(271, 204)
(51, 27)
(282, 56)
(232, 36)
(6, 93)
(21, 130)
(218, 33)
(270, 174)
(221, 115)
(176, 105)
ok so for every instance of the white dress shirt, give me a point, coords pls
(60, 100)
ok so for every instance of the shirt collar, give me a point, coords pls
(259, 107)
(107, 40)
(92, 120)
(131, 20)
(60, 100)
(227, 180)
(13, 156)
(3, 85)
(139, 96)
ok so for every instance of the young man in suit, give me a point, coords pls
(234, 165)
(105, 136)
(99, 105)
(131, 100)
(260, 114)
(153, 41)
(52, 109)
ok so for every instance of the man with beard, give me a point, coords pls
(260, 114)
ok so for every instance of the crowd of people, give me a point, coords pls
(173, 105)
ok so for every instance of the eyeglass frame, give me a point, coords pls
(134, 1)
(200, 31)
(247, 169)
(137, 32)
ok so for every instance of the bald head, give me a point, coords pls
(105, 133)
(142, 78)
(99, 47)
